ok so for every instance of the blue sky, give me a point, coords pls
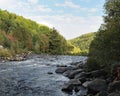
(71, 18)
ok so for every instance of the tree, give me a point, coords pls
(57, 44)
(105, 48)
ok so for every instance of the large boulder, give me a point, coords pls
(96, 86)
(80, 75)
(69, 86)
(114, 86)
(71, 73)
(97, 73)
(61, 70)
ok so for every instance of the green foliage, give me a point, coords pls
(57, 43)
(22, 35)
(105, 48)
(92, 64)
(5, 53)
(83, 42)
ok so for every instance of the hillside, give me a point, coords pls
(83, 42)
(21, 35)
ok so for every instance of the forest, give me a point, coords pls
(104, 50)
(83, 42)
(20, 35)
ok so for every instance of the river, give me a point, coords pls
(31, 78)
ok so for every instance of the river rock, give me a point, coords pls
(114, 86)
(85, 84)
(69, 86)
(114, 94)
(82, 92)
(61, 70)
(18, 58)
(102, 93)
(97, 85)
(50, 73)
(61, 65)
(76, 63)
(80, 75)
(71, 73)
(97, 73)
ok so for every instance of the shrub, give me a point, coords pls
(5, 53)
(92, 64)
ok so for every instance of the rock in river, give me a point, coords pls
(62, 69)
(71, 73)
(69, 86)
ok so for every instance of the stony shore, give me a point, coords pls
(88, 83)
(17, 57)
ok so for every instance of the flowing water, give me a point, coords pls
(31, 78)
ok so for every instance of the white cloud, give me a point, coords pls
(33, 1)
(7, 4)
(68, 4)
(71, 26)
(78, 7)
(43, 9)
(20, 7)
(93, 10)
(88, 1)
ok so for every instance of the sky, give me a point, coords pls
(71, 18)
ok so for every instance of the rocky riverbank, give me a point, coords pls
(17, 57)
(35, 76)
(88, 83)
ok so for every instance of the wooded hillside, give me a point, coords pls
(83, 42)
(18, 34)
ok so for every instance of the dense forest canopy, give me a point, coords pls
(18, 34)
(105, 48)
(83, 42)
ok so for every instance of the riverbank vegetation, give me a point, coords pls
(105, 48)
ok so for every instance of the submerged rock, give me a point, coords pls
(61, 65)
(50, 73)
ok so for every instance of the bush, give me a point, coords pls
(92, 64)
(5, 53)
